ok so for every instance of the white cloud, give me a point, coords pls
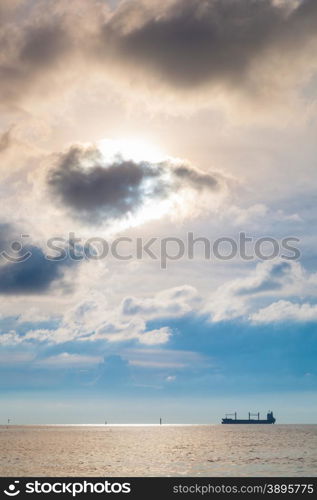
(284, 310)
(154, 337)
(166, 358)
(67, 360)
(11, 338)
(238, 298)
(168, 303)
(130, 331)
(247, 298)
(95, 319)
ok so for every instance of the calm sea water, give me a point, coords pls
(216, 450)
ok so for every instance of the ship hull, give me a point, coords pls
(237, 421)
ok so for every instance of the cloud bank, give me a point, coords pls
(192, 43)
(228, 46)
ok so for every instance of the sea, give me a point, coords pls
(153, 450)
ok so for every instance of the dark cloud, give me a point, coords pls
(5, 140)
(42, 46)
(195, 178)
(24, 268)
(182, 43)
(194, 42)
(96, 190)
(114, 189)
(32, 54)
(32, 276)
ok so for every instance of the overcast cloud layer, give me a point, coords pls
(232, 47)
(197, 42)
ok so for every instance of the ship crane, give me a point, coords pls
(254, 415)
(230, 414)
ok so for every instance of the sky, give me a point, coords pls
(158, 187)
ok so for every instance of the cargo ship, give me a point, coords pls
(269, 419)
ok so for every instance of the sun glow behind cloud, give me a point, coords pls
(178, 203)
(137, 150)
(134, 149)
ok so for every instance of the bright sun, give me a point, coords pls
(130, 149)
(137, 150)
